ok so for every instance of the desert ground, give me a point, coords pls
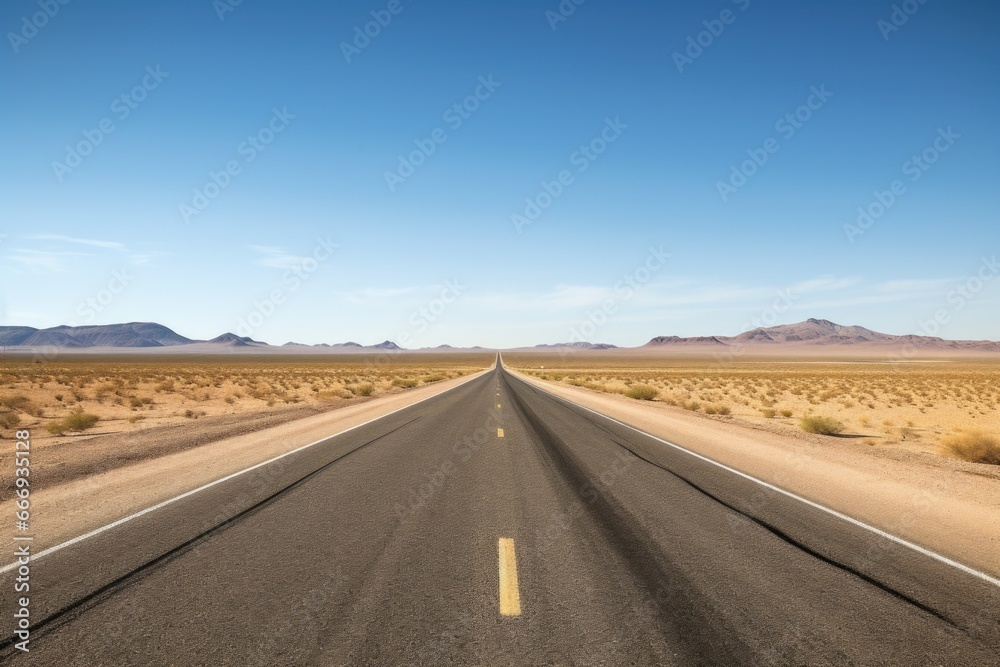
(89, 414)
(132, 394)
(927, 405)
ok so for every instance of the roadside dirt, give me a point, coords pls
(949, 506)
(75, 457)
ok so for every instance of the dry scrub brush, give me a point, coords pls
(821, 425)
(974, 446)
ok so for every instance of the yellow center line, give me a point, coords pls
(510, 596)
(498, 405)
(499, 432)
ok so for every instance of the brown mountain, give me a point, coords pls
(815, 332)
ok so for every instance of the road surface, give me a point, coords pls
(496, 524)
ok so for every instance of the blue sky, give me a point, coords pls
(644, 130)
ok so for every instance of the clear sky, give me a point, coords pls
(195, 162)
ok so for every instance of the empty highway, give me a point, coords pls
(495, 524)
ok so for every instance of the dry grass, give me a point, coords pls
(129, 393)
(75, 422)
(974, 446)
(821, 425)
(642, 392)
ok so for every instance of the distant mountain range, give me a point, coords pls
(813, 333)
(817, 333)
(581, 346)
(140, 334)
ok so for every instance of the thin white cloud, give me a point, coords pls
(660, 294)
(139, 259)
(910, 286)
(110, 245)
(274, 257)
(386, 292)
(43, 261)
(823, 284)
(369, 295)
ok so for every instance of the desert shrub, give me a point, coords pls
(974, 446)
(405, 383)
(101, 391)
(642, 392)
(768, 414)
(364, 389)
(19, 403)
(821, 425)
(79, 421)
(332, 394)
(785, 413)
(9, 419)
(434, 377)
(75, 421)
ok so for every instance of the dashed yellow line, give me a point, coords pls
(510, 596)
(498, 405)
(499, 432)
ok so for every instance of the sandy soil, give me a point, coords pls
(949, 506)
(911, 406)
(130, 395)
(61, 512)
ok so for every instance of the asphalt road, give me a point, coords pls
(496, 525)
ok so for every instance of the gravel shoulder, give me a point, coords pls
(949, 506)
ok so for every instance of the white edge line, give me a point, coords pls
(824, 508)
(113, 524)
